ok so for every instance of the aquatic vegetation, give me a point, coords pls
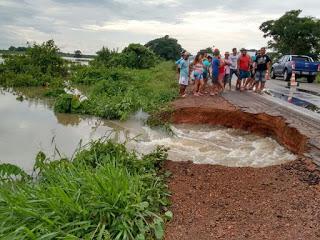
(105, 192)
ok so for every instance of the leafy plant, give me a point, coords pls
(105, 192)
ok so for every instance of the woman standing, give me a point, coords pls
(198, 75)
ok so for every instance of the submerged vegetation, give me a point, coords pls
(104, 192)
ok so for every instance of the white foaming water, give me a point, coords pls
(214, 145)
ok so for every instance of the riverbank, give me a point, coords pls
(216, 202)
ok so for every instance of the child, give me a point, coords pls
(206, 66)
(184, 74)
(227, 78)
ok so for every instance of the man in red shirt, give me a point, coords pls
(244, 62)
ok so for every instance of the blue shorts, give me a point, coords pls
(197, 75)
(261, 76)
(244, 74)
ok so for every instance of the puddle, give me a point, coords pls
(294, 100)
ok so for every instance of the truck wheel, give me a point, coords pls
(286, 75)
(311, 79)
(273, 76)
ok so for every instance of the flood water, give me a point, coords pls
(29, 126)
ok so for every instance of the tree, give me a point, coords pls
(138, 56)
(77, 53)
(166, 47)
(46, 58)
(293, 34)
(104, 56)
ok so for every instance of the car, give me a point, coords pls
(304, 67)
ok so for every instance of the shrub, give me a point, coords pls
(106, 192)
(39, 65)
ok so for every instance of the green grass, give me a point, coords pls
(115, 93)
(318, 78)
(105, 192)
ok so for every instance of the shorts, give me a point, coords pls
(244, 74)
(183, 80)
(221, 76)
(197, 75)
(205, 75)
(215, 78)
(227, 78)
(234, 71)
(252, 74)
(261, 76)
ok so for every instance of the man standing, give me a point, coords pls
(263, 65)
(234, 64)
(215, 72)
(184, 74)
(244, 62)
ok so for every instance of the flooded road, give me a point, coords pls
(29, 126)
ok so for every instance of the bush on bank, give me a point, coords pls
(133, 56)
(118, 84)
(115, 93)
(105, 192)
(40, 65)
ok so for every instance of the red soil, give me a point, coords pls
(216, 202)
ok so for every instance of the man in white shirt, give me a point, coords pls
(234, 64)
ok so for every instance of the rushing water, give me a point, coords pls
(29, 126)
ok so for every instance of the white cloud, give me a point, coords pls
(88, 25)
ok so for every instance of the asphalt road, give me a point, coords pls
(308, 92)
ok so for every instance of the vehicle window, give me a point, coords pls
(300, 58)
(280, 60)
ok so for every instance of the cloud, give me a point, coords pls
(88, 25)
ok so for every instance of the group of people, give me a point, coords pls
(251, 72)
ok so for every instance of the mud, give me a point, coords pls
(217, 202)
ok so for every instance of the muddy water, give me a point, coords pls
(29, 126)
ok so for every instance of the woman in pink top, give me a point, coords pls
(198, 75)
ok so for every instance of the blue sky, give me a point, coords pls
(89, 25)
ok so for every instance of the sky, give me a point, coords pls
(89, 25)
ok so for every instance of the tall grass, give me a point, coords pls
(105, 192)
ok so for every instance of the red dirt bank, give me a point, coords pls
(216, 202)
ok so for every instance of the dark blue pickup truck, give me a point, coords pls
(304, 67)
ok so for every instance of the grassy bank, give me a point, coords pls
(116, 84)
(105, 192)
(115, 93)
